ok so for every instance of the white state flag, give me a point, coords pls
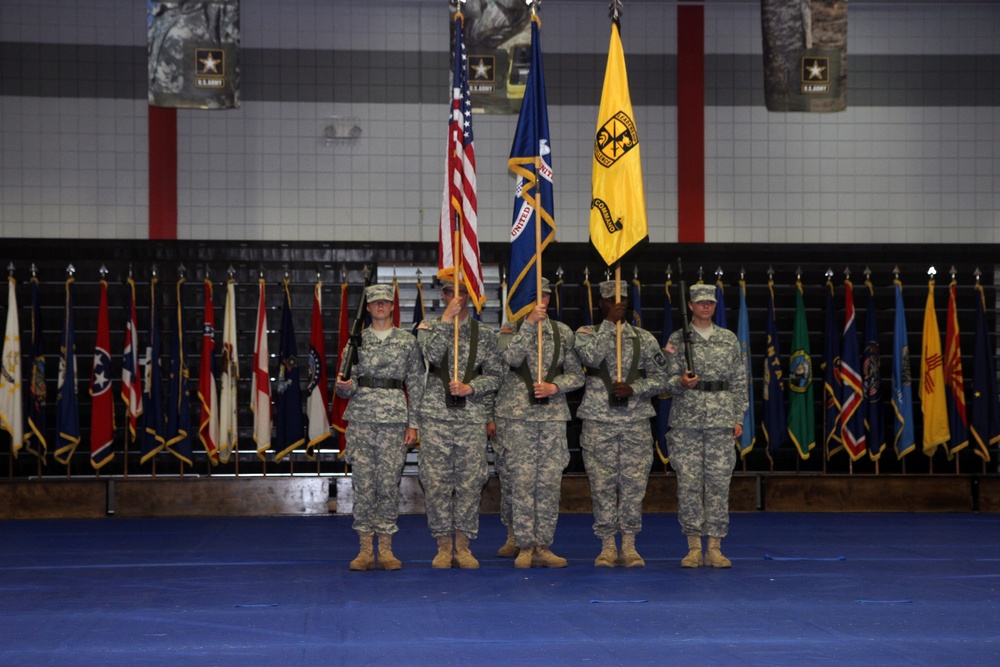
(260, 386)
(228, 406)
(11, 407)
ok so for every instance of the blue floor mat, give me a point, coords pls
(805, 589)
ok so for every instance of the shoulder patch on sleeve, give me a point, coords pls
(424, 325)
(670, 348)
(507, 329)
(660, 359)
(585, 330)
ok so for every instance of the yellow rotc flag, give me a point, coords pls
(618, 202)
(932, 388)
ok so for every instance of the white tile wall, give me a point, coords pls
(78, 167)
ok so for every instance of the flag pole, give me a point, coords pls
(618, 324)
(456, 248)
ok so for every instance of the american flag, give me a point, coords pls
(458, 205)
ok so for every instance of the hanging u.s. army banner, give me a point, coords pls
(498, 43)
(194, 49)
(805, 54)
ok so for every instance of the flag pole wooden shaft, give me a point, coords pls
(618, 324)
(538, 256)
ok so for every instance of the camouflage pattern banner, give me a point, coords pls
(194, 49)
(805, 54)
(498, 43)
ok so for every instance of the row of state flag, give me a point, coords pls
(155, 422)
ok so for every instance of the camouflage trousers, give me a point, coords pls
(536, 455)
(376, 453)
(453, 471)
(618, 458)
(501, 466)
(704, 461)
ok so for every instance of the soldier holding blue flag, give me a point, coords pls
(707, 413)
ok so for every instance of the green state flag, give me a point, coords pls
(801, 416)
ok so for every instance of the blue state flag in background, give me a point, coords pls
(984, 405)
(636, 303)
(664, 401)
(289, 428)
(902, 382)
(872, 381)
(720, 307)
(749, 435)
(533, 226)
(775, 423)
(154, 426)
(34, 435)
(178, 434)
(67, 405)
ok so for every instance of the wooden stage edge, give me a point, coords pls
(270, 496)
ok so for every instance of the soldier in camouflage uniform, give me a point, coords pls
(531, 421)
(453, 465)
(617, 439)
(380, 425)
(707, 414)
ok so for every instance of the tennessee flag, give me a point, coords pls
(11, 409)
(318, 401)
(533, 227)
(618, 201)
(228, 441)
(933, 403)
(102, 404)
(954, 382)
(260, 385)
(208, 422)
(458, 206)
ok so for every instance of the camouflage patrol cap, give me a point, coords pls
(702, 293)
(546, 287)
(608, 289)
(378, 293)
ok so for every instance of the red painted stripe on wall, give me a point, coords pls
(691, 124)
(162, 173)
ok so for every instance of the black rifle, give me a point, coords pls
(688, 352)
(354, 339)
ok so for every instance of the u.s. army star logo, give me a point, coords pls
(615, 138)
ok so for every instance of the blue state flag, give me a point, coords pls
(533, 226)
(984, 422)
(664, 401)
(178, 433)
(418, 308)
(902, 389)
(872, 381)
(34, 436)
(154, 425)
(289, 428)
(720, 306)
(775, 423)
(636, 303)
(67, 405)
(749, 435)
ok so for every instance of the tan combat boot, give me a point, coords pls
(386, 560)
(509, 548)
(366, 558)
(609, 553)
(524, 558)
(463, 557)
(630, 557)
(694, 557)
(713, 554)
(443, 558)
(543, 557)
